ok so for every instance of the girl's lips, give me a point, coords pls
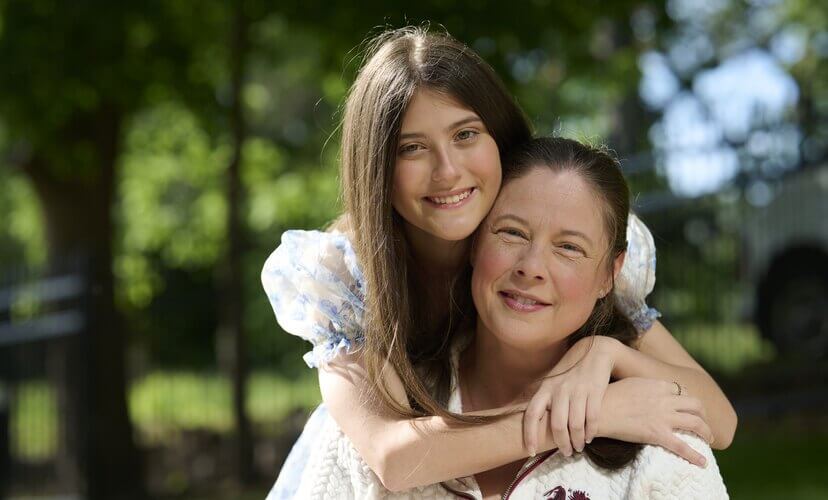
(520, 305)
(464, 199)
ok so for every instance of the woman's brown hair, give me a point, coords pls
(602, 173)
(398, 63)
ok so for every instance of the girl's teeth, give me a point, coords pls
(452, 199)
(524, 301)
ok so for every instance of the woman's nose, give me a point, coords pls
(530, 267)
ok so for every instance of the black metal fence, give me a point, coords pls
(42, 317)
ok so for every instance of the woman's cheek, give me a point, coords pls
(575, 284)
(492, 260)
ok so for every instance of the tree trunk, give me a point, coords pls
(231, 336)
(78, 216)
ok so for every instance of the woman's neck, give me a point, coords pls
(495, 374)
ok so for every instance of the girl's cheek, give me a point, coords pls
(486, 160)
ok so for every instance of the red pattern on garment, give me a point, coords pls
(560, 493)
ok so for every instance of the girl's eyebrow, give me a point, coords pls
(565, 232)
(458, 123)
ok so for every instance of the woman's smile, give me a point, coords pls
(520, 302)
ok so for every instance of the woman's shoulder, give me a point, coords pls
(657, 469)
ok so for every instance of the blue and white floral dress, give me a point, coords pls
(317, 291)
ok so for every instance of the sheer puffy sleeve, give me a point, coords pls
(637, 277)
(316, 289)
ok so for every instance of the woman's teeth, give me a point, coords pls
(451, 199)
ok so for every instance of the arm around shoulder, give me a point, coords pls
(660, 474)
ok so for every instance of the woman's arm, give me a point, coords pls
(660, 356)
(405, 453)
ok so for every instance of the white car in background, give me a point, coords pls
(786, 262)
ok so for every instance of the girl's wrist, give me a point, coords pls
(617, 354)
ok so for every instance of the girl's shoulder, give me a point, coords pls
(316, 288)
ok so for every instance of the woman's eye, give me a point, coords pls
(571, 249)
(512, 233)
(465, 135)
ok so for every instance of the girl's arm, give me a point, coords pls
(406, 453)
(572, 394)
(660, 356)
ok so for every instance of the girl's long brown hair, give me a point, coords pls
(398, 63)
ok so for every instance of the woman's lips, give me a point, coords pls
(451, 200)
(521, 303)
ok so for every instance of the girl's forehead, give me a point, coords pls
(426, 101)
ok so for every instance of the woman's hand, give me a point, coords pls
(648, 411)
(573, 393)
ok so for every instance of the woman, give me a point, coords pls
(424, 125)
(544, 261)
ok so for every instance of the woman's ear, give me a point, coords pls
(617, 264)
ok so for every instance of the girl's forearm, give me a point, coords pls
(720, 414)
(405, 453)
(427, 450)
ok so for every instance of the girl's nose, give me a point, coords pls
(445, 170)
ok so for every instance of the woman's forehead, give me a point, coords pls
(544, 196)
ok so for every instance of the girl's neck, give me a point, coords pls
(435, 256)
(495, 374)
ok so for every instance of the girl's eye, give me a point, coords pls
(465, 135)
(410, 148)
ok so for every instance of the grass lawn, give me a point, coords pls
(780, 461)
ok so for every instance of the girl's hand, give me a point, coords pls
(648, 411)
(573, 393)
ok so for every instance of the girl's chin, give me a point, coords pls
(453, 232)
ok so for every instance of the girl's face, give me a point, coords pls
(539, 260)
(447, 171)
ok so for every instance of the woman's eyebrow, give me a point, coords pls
(512, 217)
(458, 123)
(564, 232)
(573, 232)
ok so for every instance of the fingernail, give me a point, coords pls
(589, 440)
(703, 462)
(532, 452)
(579, 449)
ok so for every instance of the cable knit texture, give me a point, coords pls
(334, 470)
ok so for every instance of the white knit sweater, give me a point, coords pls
(336, 471)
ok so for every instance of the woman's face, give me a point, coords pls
(447, 171)
(539, 259)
